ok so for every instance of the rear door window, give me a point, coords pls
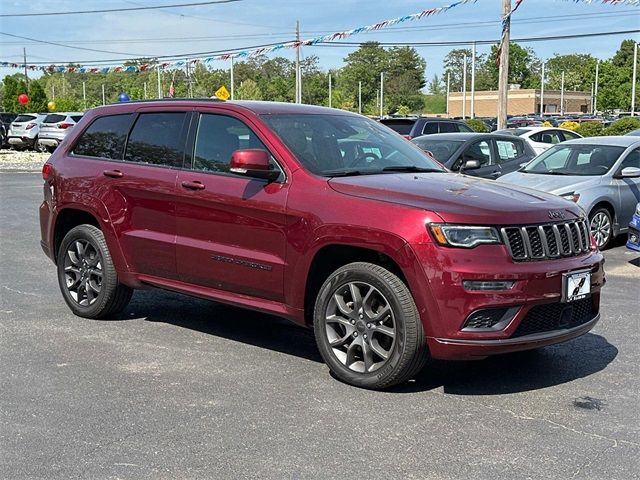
(157, 139)
(430, 127)
(105, 137)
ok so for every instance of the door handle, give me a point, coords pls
(113, 173)
(195, 185)
(495, 174)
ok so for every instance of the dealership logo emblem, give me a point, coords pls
(556, 214)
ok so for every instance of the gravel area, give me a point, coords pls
(24, 161)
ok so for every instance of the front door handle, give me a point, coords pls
(195, 185)
(113, 173)
(495, 174)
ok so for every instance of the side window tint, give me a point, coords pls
(156, 138)
(508, 150)
(632, 160)
(448, 127)
(430, 127)
(536, 137)
(217, 138)
(569, 135)
(480, 151)
(104, 138)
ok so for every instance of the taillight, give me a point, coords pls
(30, 125)
(47, 169)
(65, 125)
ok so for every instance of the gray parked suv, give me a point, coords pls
(601, 174)
(55, 127)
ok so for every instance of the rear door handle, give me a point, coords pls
(113, 173)
(195, 185)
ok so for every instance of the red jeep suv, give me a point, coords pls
(320, 216)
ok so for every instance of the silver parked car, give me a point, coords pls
(55, 127)
(601, 174)
(24, 130)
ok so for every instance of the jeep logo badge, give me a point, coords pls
(556, 214)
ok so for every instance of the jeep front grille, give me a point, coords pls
(541, 242)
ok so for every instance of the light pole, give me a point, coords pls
(503, 77)
(464, 88)
(473, 80)
(633, 80)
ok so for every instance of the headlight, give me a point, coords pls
(638, 209)
(463, 236)
(572, 197)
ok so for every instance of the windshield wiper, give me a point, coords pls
(410, 168)
(342, 173)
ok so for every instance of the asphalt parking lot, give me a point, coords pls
(183, 388)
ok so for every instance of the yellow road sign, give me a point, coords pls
(222, 93)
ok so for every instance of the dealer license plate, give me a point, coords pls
(576, 285)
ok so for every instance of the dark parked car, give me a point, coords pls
(389, 257)
(5, 122)
(412, 127)
(496, 154)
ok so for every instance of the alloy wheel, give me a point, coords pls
(600, 228)
(360, 327)
(83, 272)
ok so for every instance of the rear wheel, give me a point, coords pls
(87, 276)
(368, 328)
(601, 227)
(38, 147)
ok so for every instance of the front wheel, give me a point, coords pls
(87, 276)
(600, 226)
(367, 327)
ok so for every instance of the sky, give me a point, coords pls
(244, 23)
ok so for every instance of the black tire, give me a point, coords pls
(596, 219)
(105, 296)
(406, 354)
(38, 147)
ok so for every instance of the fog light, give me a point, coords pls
(487, 285)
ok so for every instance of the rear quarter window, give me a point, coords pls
(105, 137)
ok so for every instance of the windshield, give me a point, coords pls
(442, 150)
(332, 145)
(575, 159)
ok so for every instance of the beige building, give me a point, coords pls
(521, 102)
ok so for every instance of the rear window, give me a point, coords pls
(105, 137)
(54, 118)
(24, 118)
(156, 138)
(403, 127)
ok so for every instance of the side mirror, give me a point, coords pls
(254, 163)
(629, 172)
(468, 164)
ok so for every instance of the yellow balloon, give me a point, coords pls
(51, 106)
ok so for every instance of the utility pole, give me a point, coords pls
(473, 80)
(26, 76)
(464, 88)
(53, 92)
(448, 87)
(188, 69)
(562, 94)
(381, 94)
(84, 94)
(542, 91)
(298, 79)
(633, 81)
(595, 90)
(503, 76)
(330, 90)
(232, 82)
(360, 97)
(103, 96)
(145, 90)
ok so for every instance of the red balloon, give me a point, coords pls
(23, 99)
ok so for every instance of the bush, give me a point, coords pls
(622, 126)
(570, 125)
(477, 125)
(547, 124)
(590, 129)
(403, 110)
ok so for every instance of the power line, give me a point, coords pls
(127, 9)
(66, 46)
(469, 42)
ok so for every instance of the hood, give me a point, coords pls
(458, 198)
(556, 184)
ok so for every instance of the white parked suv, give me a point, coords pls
(24, 130)
(542, 138)
(55, 127)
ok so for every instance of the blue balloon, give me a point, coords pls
(123, 97)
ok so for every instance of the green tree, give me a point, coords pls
(524, 68)
(614, 87)
(12, 88)
(37, 97)
(437, 86)
(454, 68)
(579, 72)
(249, 90)
(405, 79)
(364, 65)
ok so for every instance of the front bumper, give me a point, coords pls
(536, 296)
(633, 235)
